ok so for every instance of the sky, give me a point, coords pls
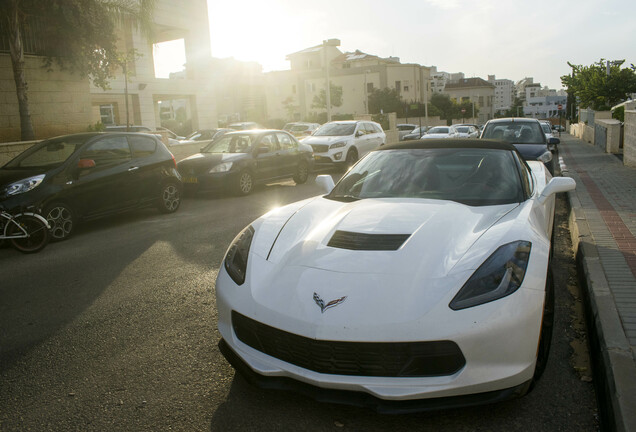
(511, 39)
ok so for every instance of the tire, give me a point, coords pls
(36, 229)
(350, 159)
(170, 198)
(61, 219)
(302, 172)
(547, 324)
(245, 183)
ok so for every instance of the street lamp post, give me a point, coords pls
(325, 44)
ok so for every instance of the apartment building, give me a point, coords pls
(61, 102)
(477, 91)
(504, 93)
(290, 94)
(543, 103)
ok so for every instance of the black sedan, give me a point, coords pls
(90, 175)
(238, 160)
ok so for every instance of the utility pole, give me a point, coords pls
(325, 44)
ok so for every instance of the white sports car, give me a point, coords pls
(420, 281)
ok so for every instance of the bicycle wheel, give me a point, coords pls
(38, 234)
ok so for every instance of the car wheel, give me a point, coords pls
(352, 158)
(245, 183)
(170, 198)
(61, 219)
(302, 172)
(547, 324)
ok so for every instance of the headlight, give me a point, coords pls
(546, 157)
(24, 185)
(500, 275)
(236, 258)
(224, 167)
(338, 144)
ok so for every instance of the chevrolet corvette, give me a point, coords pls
(421, 280)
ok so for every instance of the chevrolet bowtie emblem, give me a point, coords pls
(321, 303)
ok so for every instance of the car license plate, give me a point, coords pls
(190, 180)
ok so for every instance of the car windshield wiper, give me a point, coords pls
(344, 198)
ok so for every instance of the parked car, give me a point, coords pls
(558, 128)
(245, 126)
(341, 143)
(416, 133)
(85, 176)
(405, 129)
(205, 135)
(441, 132)
(547, 129)
(422, 279)
(526, 134)
(301, 129)
(466, 131)
(238, 160)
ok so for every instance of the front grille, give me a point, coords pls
(367, 242)
(320, 148)
(377, 359)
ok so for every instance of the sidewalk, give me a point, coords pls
(603, 227)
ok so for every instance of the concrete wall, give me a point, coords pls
(431, 121)
(629, 142)
(611, 131)
(59, 102)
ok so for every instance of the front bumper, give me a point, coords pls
(498, 340)
(365, 400)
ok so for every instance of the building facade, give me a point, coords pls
(479, 92)
(504, 93)
(61, 102)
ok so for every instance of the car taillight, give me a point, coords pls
(174, 161)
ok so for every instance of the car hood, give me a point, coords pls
(531, 151)
(201, 161)
(8, 176)
(325, 139)
(438, 233)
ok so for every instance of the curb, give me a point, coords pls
(614, 366)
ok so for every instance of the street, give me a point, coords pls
(115, 330)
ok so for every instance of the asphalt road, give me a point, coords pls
(115, 330)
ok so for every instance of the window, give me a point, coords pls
(108, 152)
(107, 114)
(142, 146)
(406, 88)
(398, 86)
(481, 101)
(285, 141)
(270, 142)
(369, 87)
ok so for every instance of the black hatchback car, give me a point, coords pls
(90, 175)
(238, 160)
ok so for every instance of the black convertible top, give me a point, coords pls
(450, 143)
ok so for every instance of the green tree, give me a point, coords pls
(76, 35)
(320, 100)
(290, 108)
(386, 100)
(593, 87)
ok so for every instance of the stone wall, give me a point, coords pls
(629, 139)
(611, 131)
(59, 102)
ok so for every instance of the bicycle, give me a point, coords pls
(27, 232)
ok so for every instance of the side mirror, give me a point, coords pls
(325, 181)
(86, 163)
(556, 185)
(554, 141)
(359, 134)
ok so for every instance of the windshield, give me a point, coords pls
(463, 129)
(515, 132)
(299, 128)
(470, 176)
(439, 130)
(336, 129)
(235, 143)
(48, 154)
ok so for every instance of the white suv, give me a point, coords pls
(344, 142)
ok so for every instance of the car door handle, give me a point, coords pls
(133, 168)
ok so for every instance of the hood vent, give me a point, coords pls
(367, 242)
